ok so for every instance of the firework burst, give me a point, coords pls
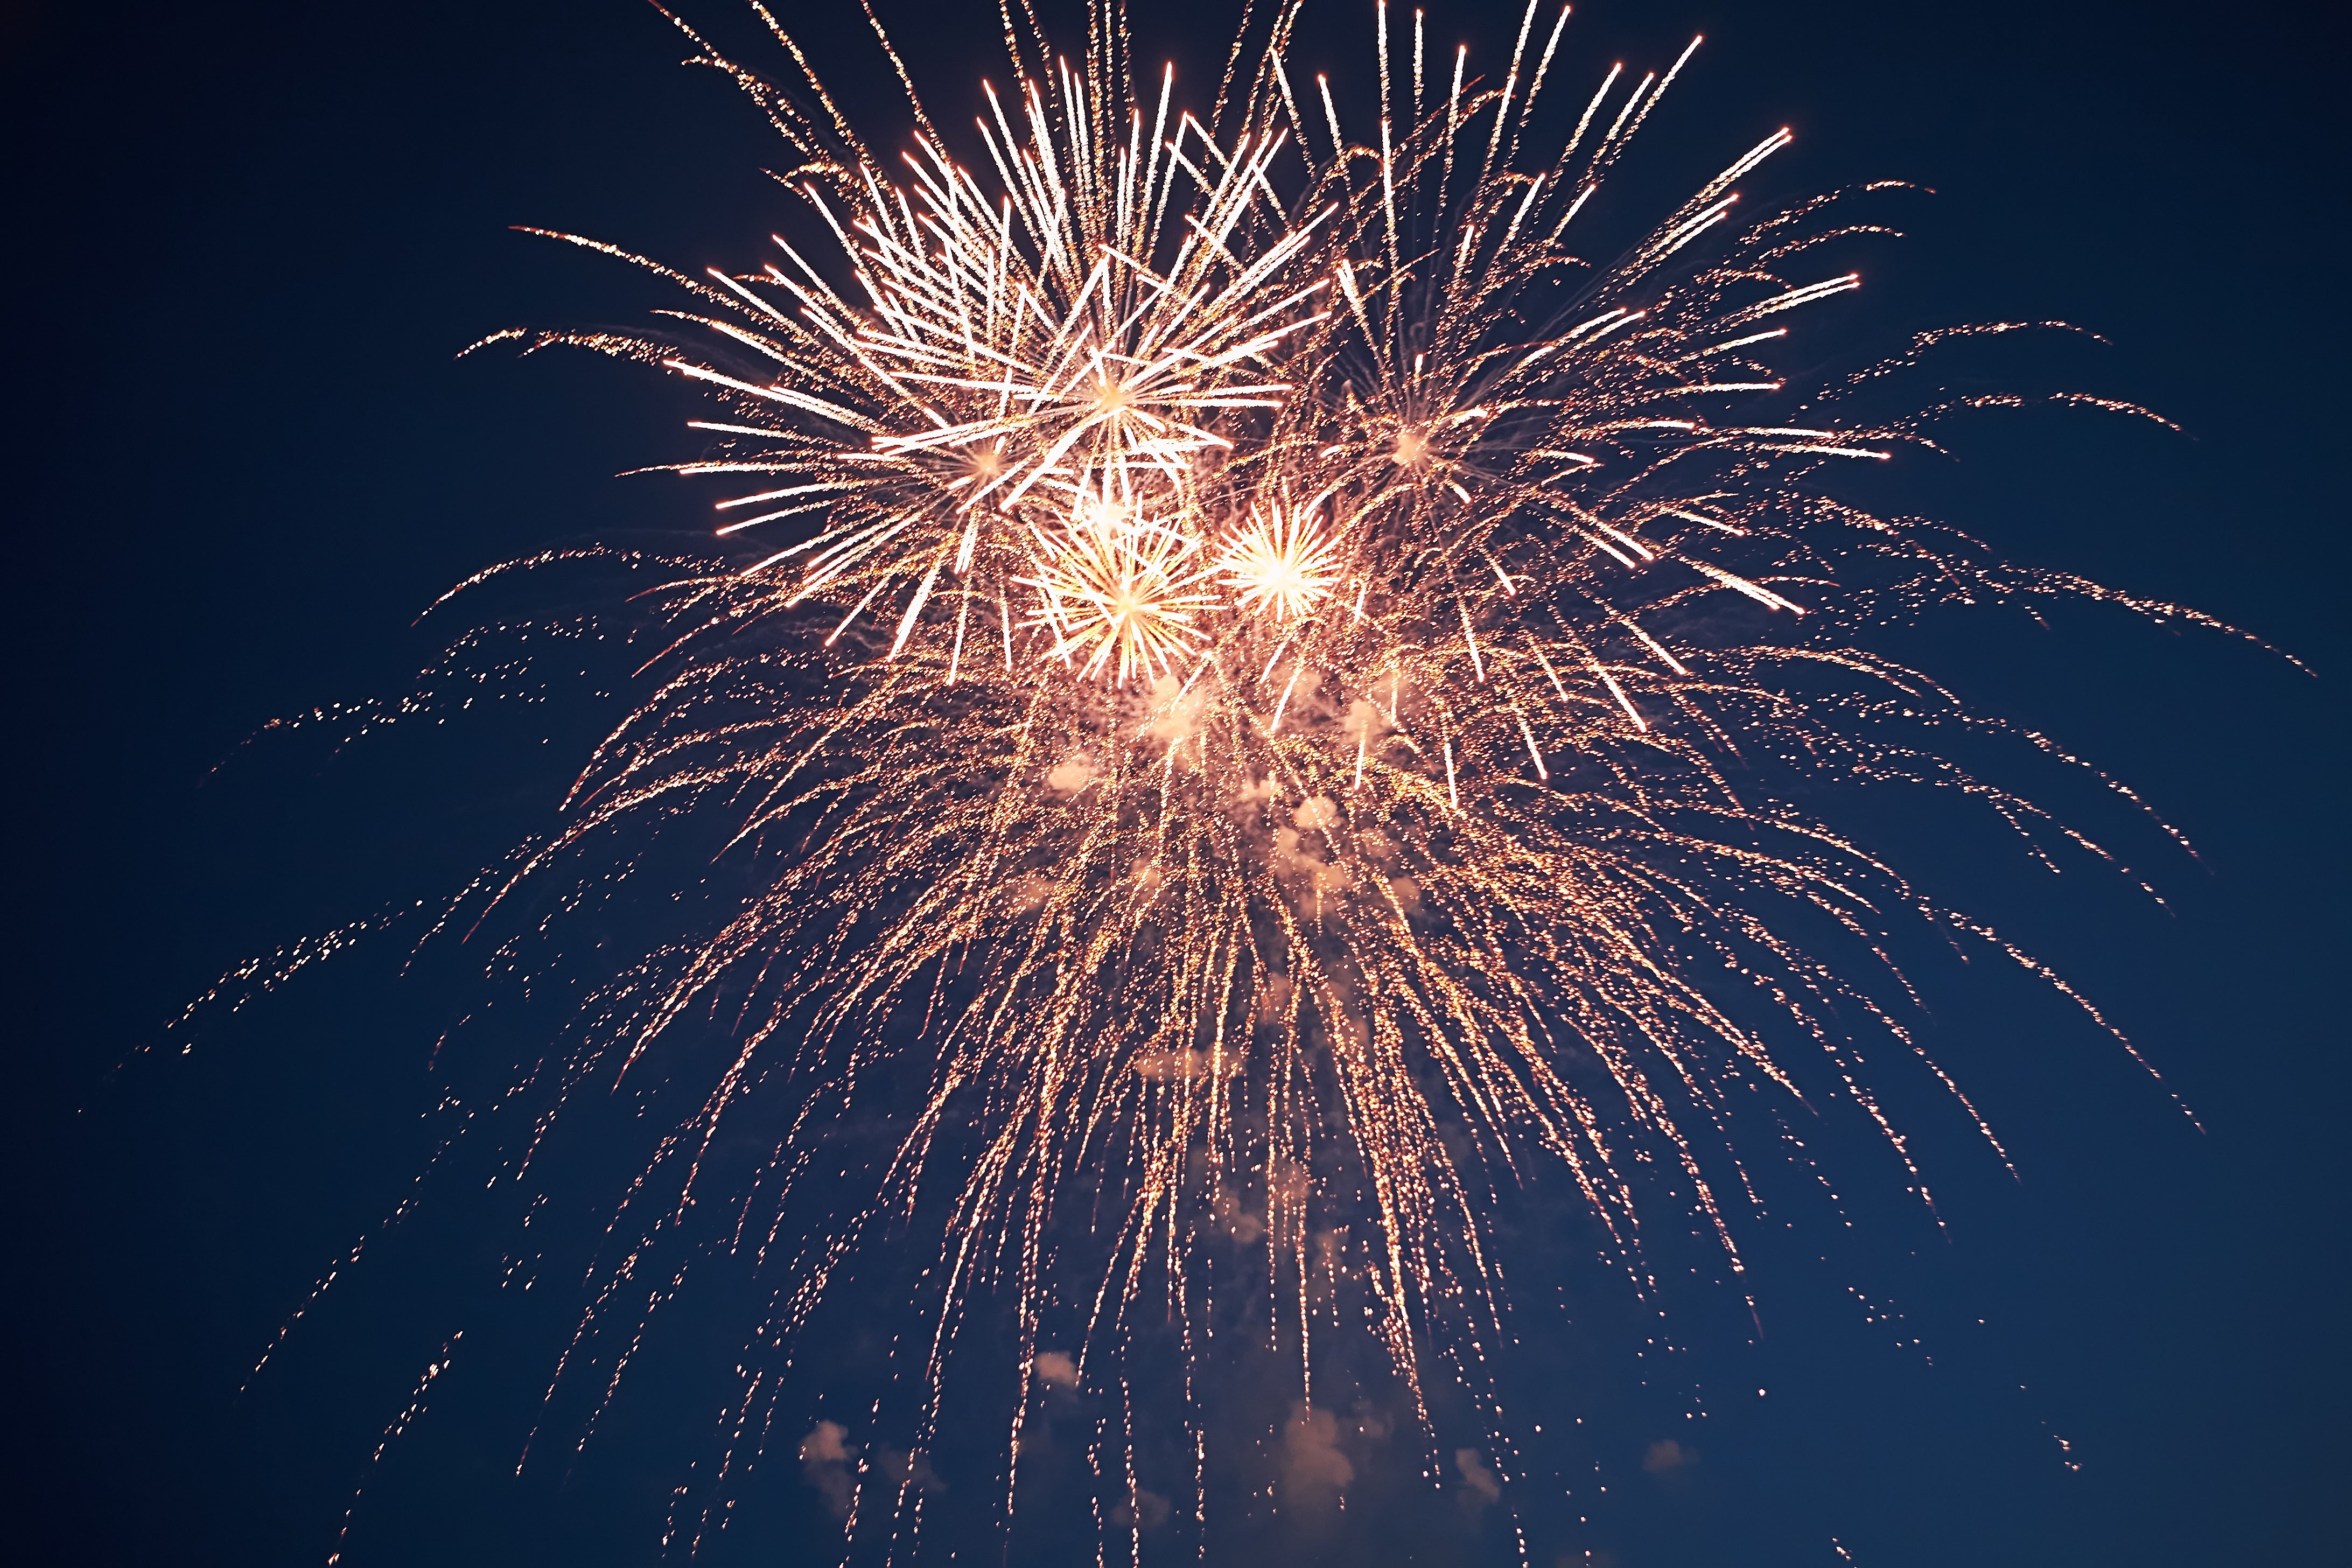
(1265, 701)
(1281, 562)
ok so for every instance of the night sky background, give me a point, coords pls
(245, 244)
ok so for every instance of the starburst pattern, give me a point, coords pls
(1117, 583)
(1281, 562)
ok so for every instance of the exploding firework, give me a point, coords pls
(1269, 696)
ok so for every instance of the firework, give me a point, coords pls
(1248, 656)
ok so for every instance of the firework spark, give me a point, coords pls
(1258, 658)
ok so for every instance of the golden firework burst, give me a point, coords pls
(1283, 561)
(1121, 593)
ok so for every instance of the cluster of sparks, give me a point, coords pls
(1250, 715)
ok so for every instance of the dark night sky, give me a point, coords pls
(245, 244)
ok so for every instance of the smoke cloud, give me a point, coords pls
(825, 1460)
(1150, 1510)
(1313, 1469)
(1480, 1488)
(1667, 1458)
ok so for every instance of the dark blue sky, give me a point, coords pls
(245, 244)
